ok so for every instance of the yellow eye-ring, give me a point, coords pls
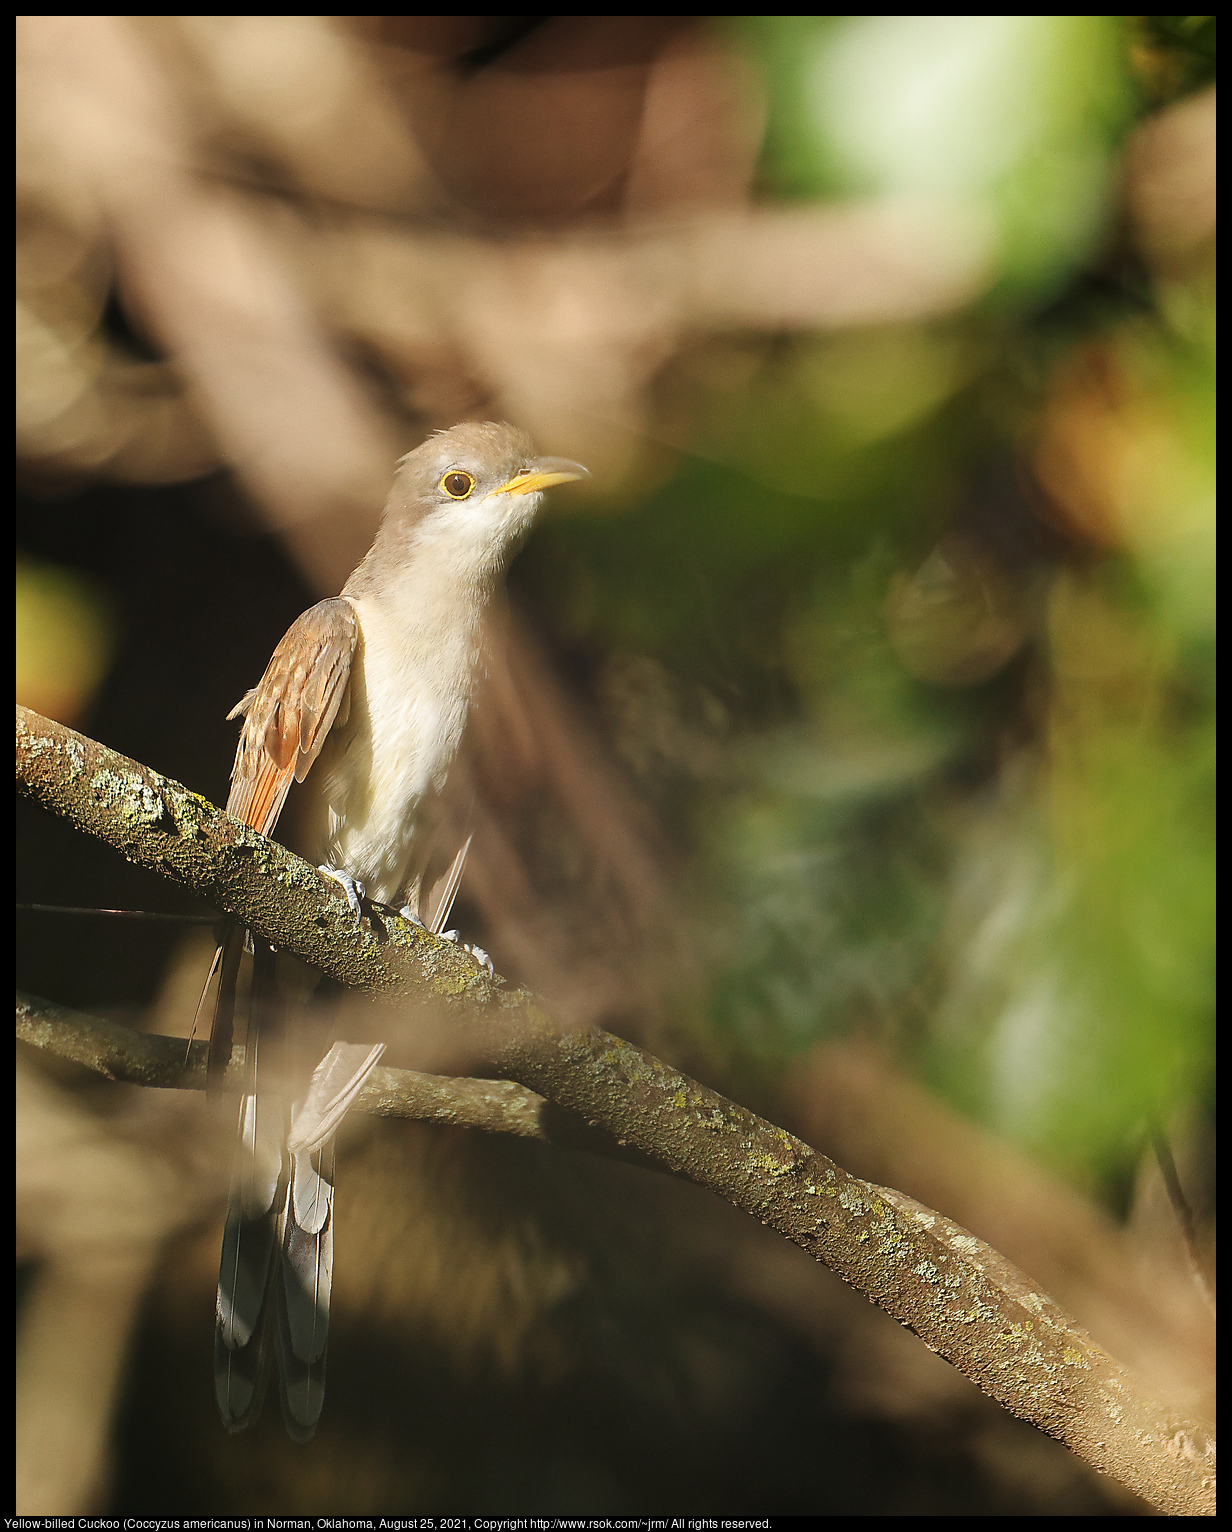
(457, 485)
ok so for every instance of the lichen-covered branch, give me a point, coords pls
(964, 1300)
(160, 825)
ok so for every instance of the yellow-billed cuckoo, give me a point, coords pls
(369, 690)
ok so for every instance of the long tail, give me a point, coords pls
(303, 1292)
(276, 1270)
(257, 1193)
(226, 966)
(308, 1232)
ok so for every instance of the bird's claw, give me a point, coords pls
(351, 887)
(480, 956)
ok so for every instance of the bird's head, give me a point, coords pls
(477, 485)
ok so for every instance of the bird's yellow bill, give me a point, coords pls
(547, 472)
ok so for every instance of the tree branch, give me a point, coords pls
(962, 1298)
(143, 1058)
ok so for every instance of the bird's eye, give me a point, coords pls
(457, 485)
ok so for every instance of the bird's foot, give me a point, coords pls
(480, 956)
(351, 887)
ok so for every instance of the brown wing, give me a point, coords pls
(287, 717)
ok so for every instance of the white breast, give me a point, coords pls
(411, 681)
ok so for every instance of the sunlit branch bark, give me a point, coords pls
(963, 1299)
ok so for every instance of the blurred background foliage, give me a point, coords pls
(65, 638)
(867, 698)
(913, 648)
(1020, 113)
(916, 650)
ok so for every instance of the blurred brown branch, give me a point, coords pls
(334, 248)
(142, 1058)
(961, 1297)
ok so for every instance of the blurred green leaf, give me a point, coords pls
(1016, 114)
(914, 652)
(65, 638)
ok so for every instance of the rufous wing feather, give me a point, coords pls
(288, 716)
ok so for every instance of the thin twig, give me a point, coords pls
(79, 909)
